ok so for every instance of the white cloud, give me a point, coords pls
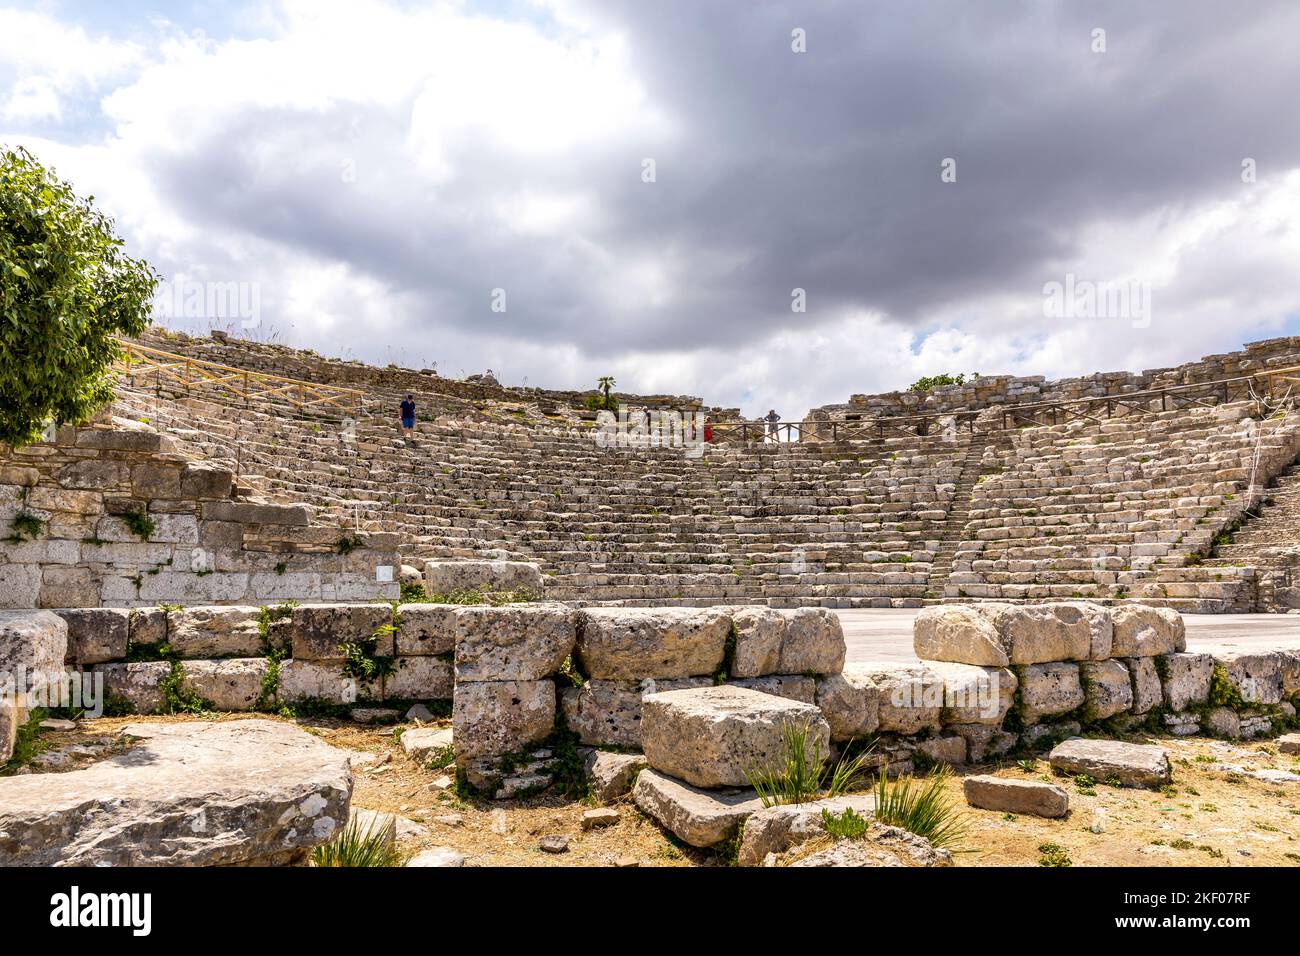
(493, 153)
(49, 61)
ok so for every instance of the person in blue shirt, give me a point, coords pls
(408, 415)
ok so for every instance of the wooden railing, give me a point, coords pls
(180, 370)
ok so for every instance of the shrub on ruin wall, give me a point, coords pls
(66, 289)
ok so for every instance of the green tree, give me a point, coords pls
(928, 382)
(605, 383)
(66, 288)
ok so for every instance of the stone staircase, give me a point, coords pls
(1268, 540)
(958, 515)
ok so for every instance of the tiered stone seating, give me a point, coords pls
(1106, 509)
(1093, 509)
(848, 525)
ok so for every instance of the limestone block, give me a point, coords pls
(795, 687)
(608, 713)
(216, 631)
(713, 736)
(319, 629)
(760, 632)
(494, 718)
(1107, 688)
(1141, 631)
(1016, 796)
(426, 629)
(234, 684)
(911, 698)
(419, 678)
(631, 643)
(1257, 675)
(995, 635)
(1133, 765)
(975, 695)
(777, 829)
(424, 743)
(315, 681)
(611, 775)
(96, 635)
(148, 625)
(139, 683)
(447, 576)
(514, 642)
(850, 702)
(1049, 689)
(1186, 679)
(1147, 692)
(813, 642)
(194, 793)
(699, 817)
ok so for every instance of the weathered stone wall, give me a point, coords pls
(112, 515)
(393, 380)
(991, 391)
(990, 677)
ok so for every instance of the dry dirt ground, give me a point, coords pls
(1212, 815)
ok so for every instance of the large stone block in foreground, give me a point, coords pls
(206, 632)
(632, 643)
(1186, 679)
(699, 817)
(1047, 690)
(494, 718)
(711, 736)
(34, 643)
(1133, 765)
(1141, 631)
(515, 642)
(995, 635)
(1016, 796)
(607, 713)
(320, 629)
(240, 792)
(813, 642)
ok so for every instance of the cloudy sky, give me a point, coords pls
(767, 204)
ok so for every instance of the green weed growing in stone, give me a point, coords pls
(139, 524)
(844, 826)
(802, 775)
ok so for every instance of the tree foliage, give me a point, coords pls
(66, 289)
(928, 382)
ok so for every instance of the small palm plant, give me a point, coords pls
(922, 807)
(605, 383)
(359, 845)
(798, 779)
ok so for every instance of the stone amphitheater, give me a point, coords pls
(505, 641)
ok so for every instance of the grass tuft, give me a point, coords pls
(799, 779)
(358, 846)
(921, 806)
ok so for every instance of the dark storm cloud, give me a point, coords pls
(817, 170)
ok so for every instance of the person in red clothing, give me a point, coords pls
(708, 431)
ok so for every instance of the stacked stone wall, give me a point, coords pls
(112, 515)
